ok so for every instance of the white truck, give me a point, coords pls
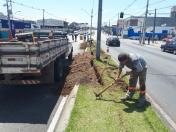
(34, 55)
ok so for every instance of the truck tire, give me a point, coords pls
(70, 57)
(59, 68)
(47, 74)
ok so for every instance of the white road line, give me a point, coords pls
(164, 114)
(57, 115)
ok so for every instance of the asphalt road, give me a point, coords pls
(29, 108)
(161, 76)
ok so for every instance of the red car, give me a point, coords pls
(167, 39)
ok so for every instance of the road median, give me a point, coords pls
(108, 113)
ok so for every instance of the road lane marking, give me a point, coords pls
(162, 112)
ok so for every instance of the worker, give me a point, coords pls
(138, 67)
(149, 40)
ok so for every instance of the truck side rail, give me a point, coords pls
(22, 57)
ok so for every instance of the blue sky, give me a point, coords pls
(79, 10)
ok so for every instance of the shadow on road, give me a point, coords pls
(31, 104)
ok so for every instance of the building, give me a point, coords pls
(53, 24)
(2, 16)
(160, 21)
(163, 26)
(82, 27)
(173, 12)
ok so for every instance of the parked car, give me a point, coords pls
(169, 47)
(113, 41)
(167, 39)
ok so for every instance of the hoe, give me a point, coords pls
(99, 95)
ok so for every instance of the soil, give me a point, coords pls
(81, 71)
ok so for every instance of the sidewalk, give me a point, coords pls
(76, 45)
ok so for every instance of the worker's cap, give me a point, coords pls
(122, 56)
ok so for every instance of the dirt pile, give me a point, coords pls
(81, 71)
(83, 45)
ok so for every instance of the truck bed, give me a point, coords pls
(30, 57)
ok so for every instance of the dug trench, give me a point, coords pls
(83, 71)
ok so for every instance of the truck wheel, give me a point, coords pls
(162, 49)
(61, 68)
(58, 70)
(70, 57)
(48, 72)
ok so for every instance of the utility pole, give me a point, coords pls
(109, 28)
(117, 28)
(8, 16)
(43, 17)
(144, 24)
(98, 47)
(91, 24)
(154, 24)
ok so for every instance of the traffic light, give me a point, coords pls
(121, 14)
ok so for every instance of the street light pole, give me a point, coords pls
(8, 15)
(43, 17)
(109, 28)
(99, 30)
(117, 28)
(154, 24)
(91, 24)
(144, 24)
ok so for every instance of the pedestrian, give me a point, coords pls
(76, 37)
(72, 36)
(84, 37)
(148, 40)
(87, 36)
(138, 67)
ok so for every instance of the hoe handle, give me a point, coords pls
(105, 89)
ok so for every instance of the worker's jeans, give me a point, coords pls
(142, 79)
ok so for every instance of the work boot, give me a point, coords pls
(142, 101)
(128, 96)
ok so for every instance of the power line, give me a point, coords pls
(162, 8)
(157, 2)
(154, 3)
(24, 5)
(165, 7)
(31, 7)
(51, 14)
(129, 5)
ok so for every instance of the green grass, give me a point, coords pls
(109, 114)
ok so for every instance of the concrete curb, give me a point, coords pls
(163, 115)
(66, 111)
(57, 115)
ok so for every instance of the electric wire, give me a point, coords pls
(24, 5)
(129, 5)
(157, 2)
